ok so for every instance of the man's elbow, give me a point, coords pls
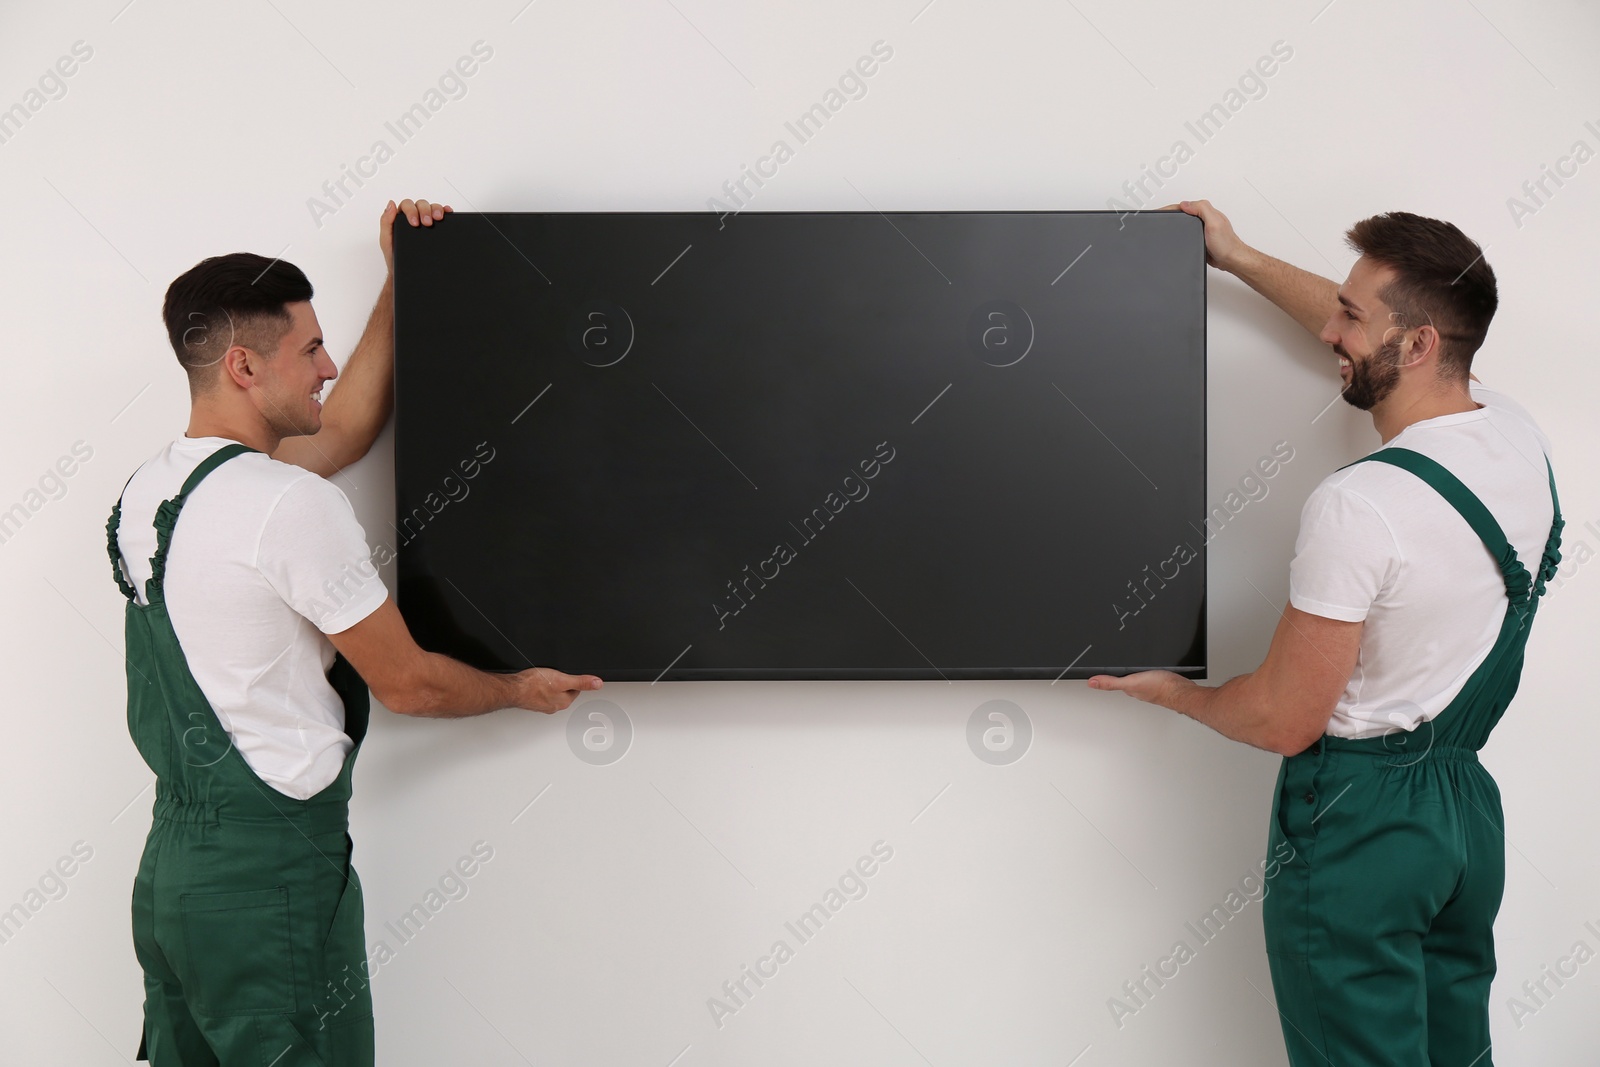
(342, 451)
(398, 699)
(406, 694)
(337, 448)
(1299, 732)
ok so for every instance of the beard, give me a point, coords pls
(1374, 378)
(286, 420)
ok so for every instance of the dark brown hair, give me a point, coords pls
(1440, 277)
(227, 300)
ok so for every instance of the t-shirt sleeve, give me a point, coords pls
(1343, 557)
(314, 553)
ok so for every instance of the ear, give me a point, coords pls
(1425, 344)
(238, 365)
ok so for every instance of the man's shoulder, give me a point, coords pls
(263, 468)
(251, 480)
(285, 486)
(1364, 491)
(257, 478)
(1355, 479)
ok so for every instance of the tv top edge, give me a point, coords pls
(1132, 213)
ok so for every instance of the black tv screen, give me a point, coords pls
(803, 445)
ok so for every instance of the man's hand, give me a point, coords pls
(1309, 299)
(1152, 687)
(357, 408)
(1283, 705)
(1223, 247)
(548, 690)
(417, 212)
(410, 681)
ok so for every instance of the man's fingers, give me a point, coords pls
(569, 683)
(424, 212)
(1111, 683)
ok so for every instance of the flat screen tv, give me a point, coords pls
(660, 446)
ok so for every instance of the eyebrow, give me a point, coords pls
(313, 343)
(1347, 302)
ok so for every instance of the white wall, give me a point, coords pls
(1019, 898)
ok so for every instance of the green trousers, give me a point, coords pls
(247, 915)
(1380, 931)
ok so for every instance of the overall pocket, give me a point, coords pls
(239, 952)
(1286, 909)
(344, 956)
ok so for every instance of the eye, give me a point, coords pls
(1346, 313)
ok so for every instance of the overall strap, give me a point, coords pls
(112, 525)
(167, 517)
(1522, 590)
(1465, 723)
(1552, 544)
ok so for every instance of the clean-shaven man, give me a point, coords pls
(252, 638)
(1415, 578)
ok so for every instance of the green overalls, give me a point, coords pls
(1380, 931)
(247, 915)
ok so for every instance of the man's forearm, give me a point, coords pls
(449, 689)
(1233, 709)
(360, 400)
(1308, 298)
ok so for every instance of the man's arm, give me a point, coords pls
(1283, 705)
(408, 680)
(359, 402)
(1308, 298)
(362, 397)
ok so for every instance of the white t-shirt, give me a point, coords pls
(266, 558)
(1378, 544)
